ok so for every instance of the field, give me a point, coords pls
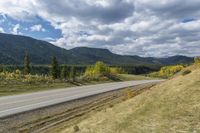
(16, 81)
(15, 87)
(172, 106)
(11, 87)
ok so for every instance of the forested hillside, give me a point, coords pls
(14, 47)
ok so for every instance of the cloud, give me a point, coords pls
(37, 28)
(2, 30)
(136, 27)
(88, 10)
(18, 9)
(15, 29)
(49, 39)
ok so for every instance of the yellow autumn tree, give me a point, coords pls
(197, 60)
(167, 71)
(98, 70)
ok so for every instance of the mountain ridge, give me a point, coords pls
(14, 47)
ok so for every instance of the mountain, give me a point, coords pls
(14, 47)
(176, 59)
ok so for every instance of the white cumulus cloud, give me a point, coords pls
(15, 29)
(37, 28)
(137, 27)
(2, 30)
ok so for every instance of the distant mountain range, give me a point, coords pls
(14, 47)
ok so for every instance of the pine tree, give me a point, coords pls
(26, 64)
(72, 73)
(63, 73)
(54, 68)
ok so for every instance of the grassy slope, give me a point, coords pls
(173, 106)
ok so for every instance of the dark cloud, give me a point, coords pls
(175, 9)
(116, 11)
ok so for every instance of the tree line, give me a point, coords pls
(70, 72)
(55, 71)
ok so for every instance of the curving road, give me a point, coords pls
(10, 105)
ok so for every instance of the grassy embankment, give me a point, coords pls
(172, 106)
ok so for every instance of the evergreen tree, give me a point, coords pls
(63, 73)
(68, 68)
(1, 68)
(54, 68)
(26, 64)
(72, 73)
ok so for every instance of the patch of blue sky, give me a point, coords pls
(83, 33)
(186, 20)
(8, 23)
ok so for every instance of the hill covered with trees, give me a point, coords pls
(14, 47)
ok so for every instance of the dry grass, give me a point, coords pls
(133, 77)
(173, 106)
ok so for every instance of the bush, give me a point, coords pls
(128, 93)
(18, 76)
(197, 61)
(76, 128)
(115, 71)
(98, 71)
(167, 71)
(186, 72)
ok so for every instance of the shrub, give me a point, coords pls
(197, 61)
(101, 68)
(111, 105)
(186, 72)
(128, 93)
(76, 128)
(18, 76)
(115, 70)
(167, 71)
(97, 71)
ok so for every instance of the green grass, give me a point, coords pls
(12, 87)
(170, 107)
(16, 87)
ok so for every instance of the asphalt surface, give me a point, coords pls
(10, 105)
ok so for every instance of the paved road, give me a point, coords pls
(10, 105)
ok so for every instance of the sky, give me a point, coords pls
(155, 28)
